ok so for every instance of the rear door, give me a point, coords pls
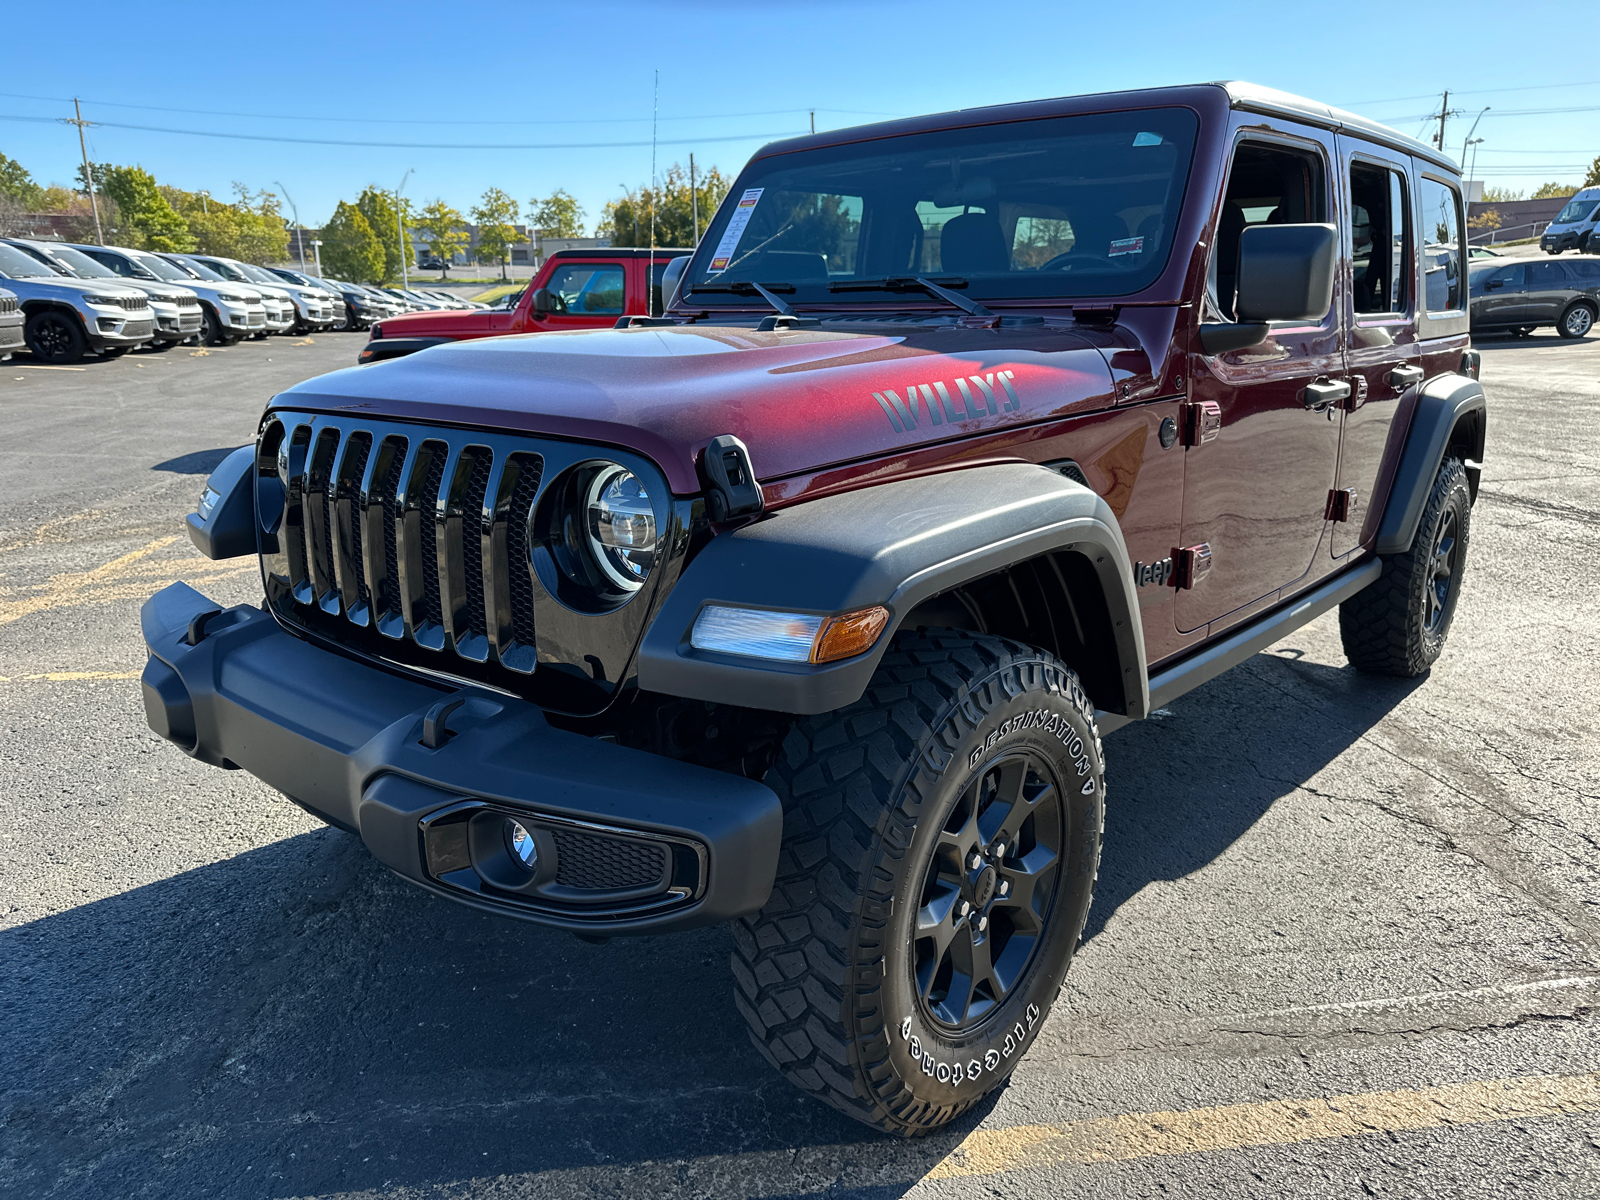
(1549, 289)
(589, 294)
(1383, 356)
(1256, 493)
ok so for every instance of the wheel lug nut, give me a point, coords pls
(983, 924)
(999, 849)
(977, 860)
(1005, 886)
(962, 910)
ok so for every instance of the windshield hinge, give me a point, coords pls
(731, 487)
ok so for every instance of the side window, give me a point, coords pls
(588, 289)
(1504, 277)
(1586, 270)
(1378, 239)
(114, 262)
(1441, 250)
(1545, 275)
(1268, 185)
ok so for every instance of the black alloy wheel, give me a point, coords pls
(989, 890)
(54, 337)
(210, 327)
(1576, 322)
(1440, 591)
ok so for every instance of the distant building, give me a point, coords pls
(1518, 218)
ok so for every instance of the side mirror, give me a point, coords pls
(543, 302)
(1285, 274)
(1489, 285)
(671, 277)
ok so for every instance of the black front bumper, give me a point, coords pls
(629, 842)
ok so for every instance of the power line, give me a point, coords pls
(304, 141)
(278, 116)
(1537, 87)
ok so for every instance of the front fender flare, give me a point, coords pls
(895, 544)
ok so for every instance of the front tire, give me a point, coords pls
(1398, 625)
(941, 841)
(53, 337)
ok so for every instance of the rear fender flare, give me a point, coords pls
(895, 544)
(1451, 411)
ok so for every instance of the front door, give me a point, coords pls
(1549, 291)
(1383, 358)
(587, 295)
(1255, 495)
(1498, 299)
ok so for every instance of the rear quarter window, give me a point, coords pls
(1441, 235)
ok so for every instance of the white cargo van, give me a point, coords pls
(1574, 226)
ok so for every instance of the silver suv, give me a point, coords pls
(228, 311)
(10, 324)
(177, 309)
(68, 318)
(309, 308)
(279, 304)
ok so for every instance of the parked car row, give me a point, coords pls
(65, 301)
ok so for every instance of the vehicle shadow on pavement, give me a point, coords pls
(296, 1021)
(1183, 787)
(199, 462)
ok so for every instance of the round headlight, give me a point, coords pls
(621, 525)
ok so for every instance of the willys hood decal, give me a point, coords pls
(799, 399)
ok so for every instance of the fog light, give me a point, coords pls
(520, 842)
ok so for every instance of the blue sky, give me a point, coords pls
(506, 77)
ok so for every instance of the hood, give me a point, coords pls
(74, 287)
(799, 399)
(160, 291)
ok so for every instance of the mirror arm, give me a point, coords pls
(1220, 337)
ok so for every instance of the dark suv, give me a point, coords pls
(1522, 295)
(965, 441)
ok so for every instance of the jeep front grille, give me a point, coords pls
(8, 304)
(413, 543)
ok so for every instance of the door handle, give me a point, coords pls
(1322, 394)
(1403, 377)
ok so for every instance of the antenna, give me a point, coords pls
(694, 203)
(650, 279)
(88, 171)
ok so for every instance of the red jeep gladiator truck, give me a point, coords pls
(964, 441)
(575, 289)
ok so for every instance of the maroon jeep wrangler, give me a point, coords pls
(965, 441)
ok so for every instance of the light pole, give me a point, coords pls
(405, 280)
(1474, 143)
(299, 229)
(1468, 140)
(205, 202)
(316, 249)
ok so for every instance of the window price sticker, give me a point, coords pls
(742, 213)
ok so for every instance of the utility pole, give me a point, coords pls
(1444, 111)
(655, 188)
(88, 171)
(405, 280)
(299, 229)
(813, 120)
(694, 204)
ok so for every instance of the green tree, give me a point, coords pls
(378, 207)
(250, 229)
(558, 215)
(440, 226)
(350, 249)
(1550, 191)
(495, 213)
(1592, 179)
(1500, 195)
(148, 219)
(627, 220)
(15, 182)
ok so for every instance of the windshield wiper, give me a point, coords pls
(744, 288)
(911, 283)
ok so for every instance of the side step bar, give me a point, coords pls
(1206, 664)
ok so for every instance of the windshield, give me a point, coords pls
(79, 263)
(199, 270)
(1576, 210)
(257, 275)
(218, 269)
(18, 264)
(161, 268)
(1069, 206)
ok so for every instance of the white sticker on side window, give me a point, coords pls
(1126, 246)
(736, 225)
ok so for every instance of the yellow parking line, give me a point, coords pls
(1273, 1123)
(128, 577)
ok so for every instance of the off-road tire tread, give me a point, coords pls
(807, 967)
(1378, 625)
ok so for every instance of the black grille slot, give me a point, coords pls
(433, 608)
(518, 564)
(598, 863)
(388, 489)
(351, 472)
(472, 538)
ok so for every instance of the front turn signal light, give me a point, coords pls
(849, 635)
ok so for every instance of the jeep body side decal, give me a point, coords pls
(937, 405)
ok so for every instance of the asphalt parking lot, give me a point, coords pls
(1346, 942)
